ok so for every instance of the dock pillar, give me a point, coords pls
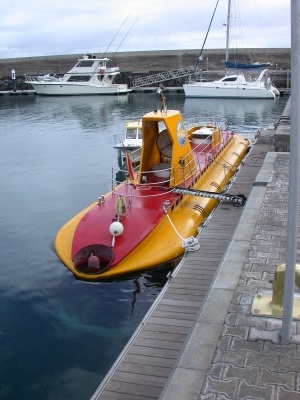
(13, 79)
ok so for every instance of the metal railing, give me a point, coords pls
(162, 76)
(214, 122)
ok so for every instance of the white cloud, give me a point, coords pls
(69, 27)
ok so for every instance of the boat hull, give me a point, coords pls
(76, 89)
(150, 230)
(207, 90)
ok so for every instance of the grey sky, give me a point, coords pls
(37, 28)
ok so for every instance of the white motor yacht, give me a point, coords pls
(90, 76)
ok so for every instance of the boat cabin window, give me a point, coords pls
(231, 79)
(130, 133)
(134, 133)
(79, 78)
(85, 64)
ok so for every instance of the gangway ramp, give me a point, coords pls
(162, 76)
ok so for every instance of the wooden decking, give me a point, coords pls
(146, 364)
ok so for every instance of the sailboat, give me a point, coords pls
(237, 85)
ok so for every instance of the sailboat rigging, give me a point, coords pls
(233, 86)
(229, 64)
(201, 51)
(126, 35)
(90, 76)
(115, 36)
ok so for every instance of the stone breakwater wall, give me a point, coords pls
(142, 63)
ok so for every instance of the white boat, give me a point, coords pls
(90, 76)
(130, 144)
(133, 136)
(233, 86)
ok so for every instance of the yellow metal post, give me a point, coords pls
(271, 305)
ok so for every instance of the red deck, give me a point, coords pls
(144, 210)
(142, 217)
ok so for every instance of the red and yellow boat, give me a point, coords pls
(153, 216)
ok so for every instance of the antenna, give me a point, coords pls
(126, 36)
(115, 36)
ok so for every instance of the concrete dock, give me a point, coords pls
(17, 92)
(232, 353)
(200, 340)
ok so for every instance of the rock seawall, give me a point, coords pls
(143, 63)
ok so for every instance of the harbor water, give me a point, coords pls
(59, 336)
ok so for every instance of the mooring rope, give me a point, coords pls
(189, 244)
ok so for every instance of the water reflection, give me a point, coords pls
(92, 112)
(241, 115)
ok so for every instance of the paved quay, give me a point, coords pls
(231, 353)
(200, 340)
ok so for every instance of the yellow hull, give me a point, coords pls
(163, 243)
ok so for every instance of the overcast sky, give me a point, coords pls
(49, 27)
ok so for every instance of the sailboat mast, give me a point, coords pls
(227, 35)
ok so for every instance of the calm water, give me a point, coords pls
(59, 336)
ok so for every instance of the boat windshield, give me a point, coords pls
(135, 133)
(85, 63)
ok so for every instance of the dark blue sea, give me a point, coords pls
(60, 336)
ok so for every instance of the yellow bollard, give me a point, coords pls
(272, 305)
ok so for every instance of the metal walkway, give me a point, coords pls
(162, 76)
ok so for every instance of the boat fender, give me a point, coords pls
(116, 228)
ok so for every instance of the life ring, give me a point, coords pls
(102, 72)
